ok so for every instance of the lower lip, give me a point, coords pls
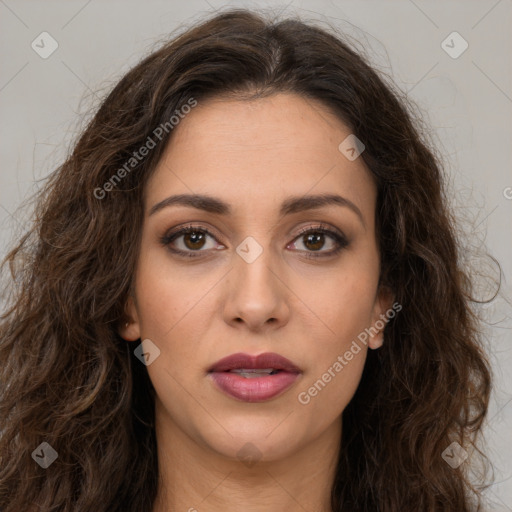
(256, 389)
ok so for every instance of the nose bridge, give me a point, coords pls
(257, 293)
(253, 264)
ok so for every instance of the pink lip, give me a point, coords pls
(257, 389)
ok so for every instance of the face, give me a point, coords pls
(262, 268)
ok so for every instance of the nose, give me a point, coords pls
(257, 295)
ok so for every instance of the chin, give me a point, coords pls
(252, 440)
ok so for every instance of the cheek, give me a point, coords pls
(171, 313)
(339, 303)
(168, 297)
(341, 309)
(327, 392)
(335, 356)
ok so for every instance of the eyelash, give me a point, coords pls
(339, 238)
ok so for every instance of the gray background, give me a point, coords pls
(467, 102)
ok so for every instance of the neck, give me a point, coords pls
(195, 478)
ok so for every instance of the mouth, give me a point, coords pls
(254, 378)
(252, 373)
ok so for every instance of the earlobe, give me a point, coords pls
(376, 341)
(129, 331)
(383, 304)
(129, 326)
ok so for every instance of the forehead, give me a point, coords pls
(254, 153)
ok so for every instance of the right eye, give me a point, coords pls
(193, 240)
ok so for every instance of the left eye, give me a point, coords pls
(314, 240)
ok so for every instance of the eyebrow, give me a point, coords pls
(289, 206)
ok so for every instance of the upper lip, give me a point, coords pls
(267, 360)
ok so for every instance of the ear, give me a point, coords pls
(383, 304)
(129, 328)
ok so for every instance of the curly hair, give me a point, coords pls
(69, 379)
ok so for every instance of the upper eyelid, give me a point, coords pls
(179, 231)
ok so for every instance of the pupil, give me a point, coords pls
(196, 237)
(312, 237)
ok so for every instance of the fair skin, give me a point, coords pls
(253, 155)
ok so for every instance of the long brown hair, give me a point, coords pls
(68, 378)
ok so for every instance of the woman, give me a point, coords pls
(241, 291)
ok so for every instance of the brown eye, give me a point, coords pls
(194, 240)
(189, 241)
(314, 241)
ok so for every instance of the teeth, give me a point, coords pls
(251, 373)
